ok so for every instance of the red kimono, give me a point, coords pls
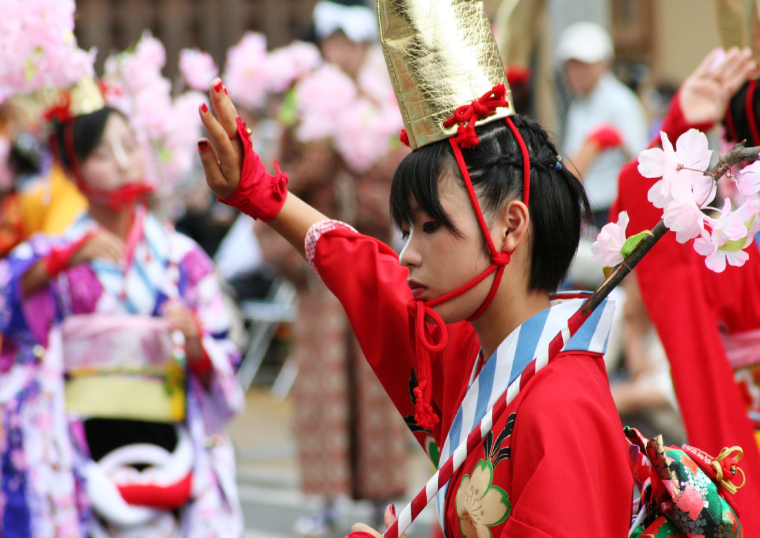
(689, 305)
(553, 465)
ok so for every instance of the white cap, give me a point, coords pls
(586, 42)
(358, 22)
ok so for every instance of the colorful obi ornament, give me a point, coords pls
(684, 492)
(123, 367)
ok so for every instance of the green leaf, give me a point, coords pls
(632, 242)
(739, 244)
(607, 271)
(287, 113)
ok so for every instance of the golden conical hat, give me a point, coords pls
(739, 24)
(441, 54)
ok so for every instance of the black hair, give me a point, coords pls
(558, 204)
(88, 132)
(737, 120)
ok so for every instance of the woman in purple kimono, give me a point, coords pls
(116, 374)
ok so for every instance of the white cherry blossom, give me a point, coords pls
(684, 217)
(726, 241)
(606, 249)
(680, 169)
(748, 179)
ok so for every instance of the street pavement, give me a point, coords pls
(268, 475)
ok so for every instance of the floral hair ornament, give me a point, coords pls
(448, 79)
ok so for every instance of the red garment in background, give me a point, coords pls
(687, 304)
(557, 454)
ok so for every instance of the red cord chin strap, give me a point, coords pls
(466, 116)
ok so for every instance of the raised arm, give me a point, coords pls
(259, 194)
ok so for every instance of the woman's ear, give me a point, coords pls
(514, 225)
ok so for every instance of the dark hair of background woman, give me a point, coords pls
(88, 132)
(558, 203)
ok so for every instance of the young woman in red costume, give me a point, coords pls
(703, 317)
(554, 463)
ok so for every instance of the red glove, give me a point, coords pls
(59, 258)
(259, 194)
(606, 137)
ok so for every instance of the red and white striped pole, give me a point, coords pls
(479, 432)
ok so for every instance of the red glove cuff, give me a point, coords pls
(606, 137)
(59, 258)
(259, 194)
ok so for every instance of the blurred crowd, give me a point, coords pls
(108, 231)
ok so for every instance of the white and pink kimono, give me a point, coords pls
(104, 428)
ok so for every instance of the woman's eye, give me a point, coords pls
(430, 227)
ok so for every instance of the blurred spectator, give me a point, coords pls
(646, 399)
(605, 124)
(130, 321)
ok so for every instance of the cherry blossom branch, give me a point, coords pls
(737, 155)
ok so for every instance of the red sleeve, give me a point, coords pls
(365, 275)
(679, 297)
(570, 475)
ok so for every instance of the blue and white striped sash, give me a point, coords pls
(146, 278)
(510, 359)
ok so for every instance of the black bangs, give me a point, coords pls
(416, 178)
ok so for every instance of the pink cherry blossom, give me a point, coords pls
(680, 169)
(684, 217)
(198, 68)
(748, 179)
(726, 241)
(166, 128)
(606, 249)
(38, 48)
(716, 257)
(321, 98)
(245, 73)
(286, 65)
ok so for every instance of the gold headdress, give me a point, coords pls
(82, 98)
(739, 24)
(441, 54)
(448, 78)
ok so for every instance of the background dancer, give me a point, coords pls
(123, 321)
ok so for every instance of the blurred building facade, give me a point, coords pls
(211, 25)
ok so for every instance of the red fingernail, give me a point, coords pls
(393, 509)
(203, 144)
(225, 91)
(218, 86)
(204, 108)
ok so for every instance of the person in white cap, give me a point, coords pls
(606, 123)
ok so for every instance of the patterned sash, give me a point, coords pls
(513, 355)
